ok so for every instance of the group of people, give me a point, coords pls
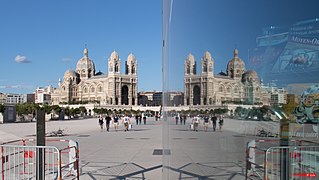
(126, 121)
(206, 122)
(116, 120)
(138, 119)
(181, 119)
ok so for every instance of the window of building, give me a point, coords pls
(100, 89)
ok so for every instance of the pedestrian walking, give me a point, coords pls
(136, 119)
(176, 119)
(221, 122)
(144, 119)
(206, 122)
(195, 123)
(115, 121)
(184, 119)
(126, 121)
(140, 118)
(108, 120)
(101, 122)
(214, 120)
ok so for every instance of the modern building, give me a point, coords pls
(150, 98)
(16, 98)
(278, 96)
(85, 85)
(43, 95)
(236, 86)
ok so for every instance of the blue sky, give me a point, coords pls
(220, 26)
(49, 36)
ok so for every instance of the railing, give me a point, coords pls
(292, 162)
(265, 159)
(39, 162)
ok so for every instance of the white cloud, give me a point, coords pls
(21, 59)
(16, 87)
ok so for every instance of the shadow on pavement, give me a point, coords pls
(201, 171)
(114, 170)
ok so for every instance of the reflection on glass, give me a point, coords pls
(238, 82)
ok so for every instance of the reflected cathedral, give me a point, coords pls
(236, 86)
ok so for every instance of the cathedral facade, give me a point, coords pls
(237, 85)
(85, 85)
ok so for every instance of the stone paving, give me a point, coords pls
(137, 154)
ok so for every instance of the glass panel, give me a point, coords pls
(254, 64)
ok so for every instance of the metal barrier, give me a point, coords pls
(28, 162)
(292, 162)
(265, 159)
(20, 162)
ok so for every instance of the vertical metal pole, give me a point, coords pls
(3, 161)
(247, 160)
(284, 141)
(40, 142)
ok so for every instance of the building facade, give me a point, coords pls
(43, 95)
(85, 85)
(237, 85)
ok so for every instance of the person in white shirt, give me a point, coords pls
(126, 121)
(195, 123)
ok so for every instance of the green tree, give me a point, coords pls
(83, 110)
(2, 108)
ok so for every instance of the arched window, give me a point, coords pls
(100, 89)
(116, 68)
(133, 69)
(205, 67)
(85, 90)
(236, 89)
(92, 89)
(228, 89)
(188, 69)
(221, 88)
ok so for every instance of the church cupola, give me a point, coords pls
(114, 63)
(85, 66)
(207, 64)
(236, 67)
(190, 65)
(131, 65)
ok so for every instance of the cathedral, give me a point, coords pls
(86, 86)
(236, 86)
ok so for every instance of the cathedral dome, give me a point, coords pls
(85, 62)
(250, 76)
(114, 56)
(235, 67)
(130, 58)
(207, 55)
(190, 57)
(236, 62)
(70, 74)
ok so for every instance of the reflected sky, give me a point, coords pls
(219, 26)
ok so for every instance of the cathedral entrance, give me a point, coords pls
(124, 95)
(196, 95)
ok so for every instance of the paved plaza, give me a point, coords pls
(137, 154)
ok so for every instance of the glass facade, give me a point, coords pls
(248, 68)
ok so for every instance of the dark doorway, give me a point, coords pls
(196, 95)
(124, 95)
